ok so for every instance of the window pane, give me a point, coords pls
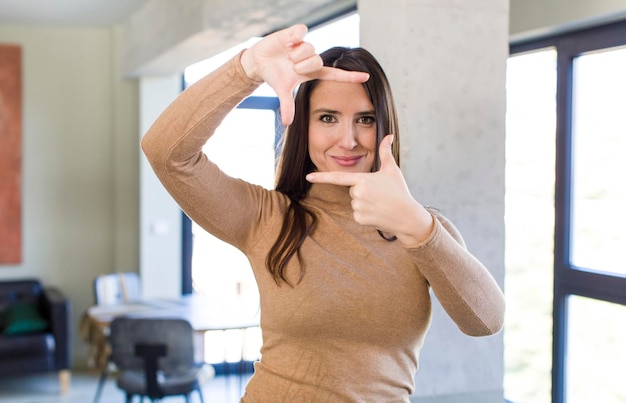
(596, 353)
(243, 146)
(529, 221)
(599, 147)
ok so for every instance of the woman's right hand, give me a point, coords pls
(283, 60)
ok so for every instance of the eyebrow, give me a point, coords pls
(332, 111)
(325, 110)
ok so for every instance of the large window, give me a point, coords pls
(589, 276)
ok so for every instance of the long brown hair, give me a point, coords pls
(295, 163)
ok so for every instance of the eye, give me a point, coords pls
(327, 118)
(366, 120)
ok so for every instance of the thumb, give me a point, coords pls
(384, 152)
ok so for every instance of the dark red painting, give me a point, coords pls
(10, 154)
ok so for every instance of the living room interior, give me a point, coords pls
(94, 75)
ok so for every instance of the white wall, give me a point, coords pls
(79, 168)
(126, 181)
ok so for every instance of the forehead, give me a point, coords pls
(337, 94)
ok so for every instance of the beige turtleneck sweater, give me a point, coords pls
(351, 331)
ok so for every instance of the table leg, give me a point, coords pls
(101, 382)
(242, 363)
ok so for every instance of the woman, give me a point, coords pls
(343, 255)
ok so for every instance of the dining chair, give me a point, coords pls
(116, 288)
(155, 358)
(113, 289)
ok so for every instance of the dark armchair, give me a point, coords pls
(34, 330)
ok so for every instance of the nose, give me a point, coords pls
(348, 137)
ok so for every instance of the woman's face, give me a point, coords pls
(342, 128)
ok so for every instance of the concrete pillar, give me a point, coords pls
(446, 60)
(160, 217)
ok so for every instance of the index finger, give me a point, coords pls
(334, 178)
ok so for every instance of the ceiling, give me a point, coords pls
(68, 13)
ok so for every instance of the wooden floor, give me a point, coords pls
(45, 389)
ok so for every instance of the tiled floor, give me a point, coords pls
(45, 389)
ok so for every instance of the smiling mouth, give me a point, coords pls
(347, 161)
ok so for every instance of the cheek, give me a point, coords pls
(370, 143)
(369, 140)
(320, 138)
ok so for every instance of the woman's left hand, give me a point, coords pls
(382, 199)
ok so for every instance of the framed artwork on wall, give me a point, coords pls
(10, 154)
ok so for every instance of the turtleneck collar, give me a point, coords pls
(330, 197)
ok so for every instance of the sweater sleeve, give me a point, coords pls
(465, 288)
(227, 207)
